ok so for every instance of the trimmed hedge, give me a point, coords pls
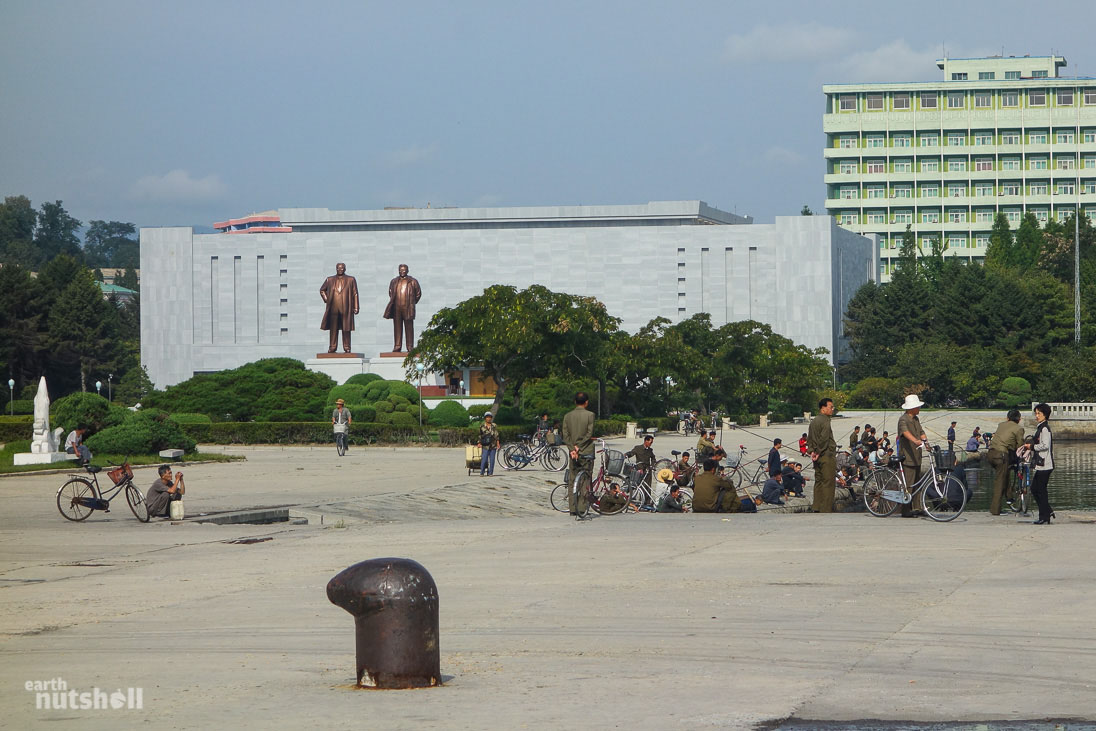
(12, 431)
(21, 406)
(190, 419)
(301, 432)
(449, 413)
(89, 409)
(349, 392)
(380, 390)
(362, 379)
(144, 432)
(17, 419)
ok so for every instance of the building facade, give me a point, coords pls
(996, 135)
(216, 301)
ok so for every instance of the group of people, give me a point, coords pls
(1009, 447)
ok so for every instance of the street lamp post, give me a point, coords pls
(462, 388)
(420, 368)
(667, 392)
(110, 378)
(98, 388)
(11, 397)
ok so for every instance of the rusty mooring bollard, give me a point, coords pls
(395, 606)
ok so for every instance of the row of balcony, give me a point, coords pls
(934, 176)
(1065, 148)
(930, 119)
(969, 228)
(1060, 200)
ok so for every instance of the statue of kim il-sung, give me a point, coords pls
(403, 294)
(340, 292)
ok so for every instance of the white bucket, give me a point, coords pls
(175, 510)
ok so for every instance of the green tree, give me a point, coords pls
(806, 211)
(56, 232)
(112, 244)
(999, 253)
(17, 221)
(907, 250)
(128, 279)
(79, 324)
(22, 337)
(1029, 243)
(516, 336)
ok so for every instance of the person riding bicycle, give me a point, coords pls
(163, 491)
(1001, 456)
(578, 435)
(341, 419)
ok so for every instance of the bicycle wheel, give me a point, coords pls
(558, 498)
(734, 477)
(515, 456)
(1023, 496)
(662, 464)
(874, 486)
(137, 503)
(636, 496)
(555, 459)
(945, 500)
(580, 491)
(687, 499)
(340, 444)
(69, 496)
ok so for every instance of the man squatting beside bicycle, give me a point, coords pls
(164, 491)
(578, 435)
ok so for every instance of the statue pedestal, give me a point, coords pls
(340, 366)
(389, 366)
(49, 458)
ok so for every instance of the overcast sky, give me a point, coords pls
(191, 112)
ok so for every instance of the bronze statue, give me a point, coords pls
(403, 294)
(340, 292)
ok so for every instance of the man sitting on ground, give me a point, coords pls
(164, 491)
(74, 444)
(772, 491)
(714, 494)
(792, 479)
(705, 446)
(671, 502)
(612, 501)
(685, 470)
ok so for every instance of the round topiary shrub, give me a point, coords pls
(449, 413)
(22, 406)
(144, 432)
(384, 407)
(362, 413)
(478, 410)
(347, 392)
(402, 418)
(398, 400)
(400, 388)
(89, 409)
(362, 379)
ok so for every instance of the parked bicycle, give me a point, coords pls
(607, 473)
(519, 455)
(1021, 488)
(646, 494)
(80, 497)
(942, 495)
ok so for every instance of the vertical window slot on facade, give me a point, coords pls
(260, 264)
(237, 300)
(212, 298)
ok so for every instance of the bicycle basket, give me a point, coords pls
(629, 469)
(614, 462)
(942, 459)
(121, 474)
(342, 428)
(732, 461)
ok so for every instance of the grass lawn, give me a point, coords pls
(7, 455)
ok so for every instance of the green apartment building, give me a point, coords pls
(999, 134)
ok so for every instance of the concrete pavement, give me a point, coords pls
(643, 621)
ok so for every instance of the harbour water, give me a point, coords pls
(1072, 486)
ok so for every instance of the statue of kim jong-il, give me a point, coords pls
(340, 292)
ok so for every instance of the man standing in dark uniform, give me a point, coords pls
(823, 451)
(951, 437)
(340, 292)
(1008, 437)
(403, 294)
(578, 435)
(910, 438)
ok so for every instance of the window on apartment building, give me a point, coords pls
(1010, 98)
(847, 167)
(1064, 187)
(983, 99)
(902, 217)
(848, 193)
(1010, 138)
(1013, 215)
(877, 217)
(981, 241)
(986, 75)
(1037, 138)
(1065, 97)
(1010, 163)
(1064, 137)
(1089, 135)
(1090, 162)
(957, 190)
(873, 141)
(1064, 214)
(928, 99)
(956, 100)
(902, 140)
(902, 191)
(982, 190)
(1010, 75)
(930, 216)
(1010, 189)
(957, 140)
(875, 166)
(957, 216)
(926, 242)
(1088, 186)
(1065, 163)
(1037, 98)
(957, 241)
(930, 166)
(848, 102)
(1037, 189)
(875, 191)
(956, 76)
(903, 166)
(1037, 163)
(983, 163)
(846, 143)
(1038, 74)
(875, 102)
(901, 101)
(984, 215)
(957, 164)
(848, 219)
(983, 139)
(930, 191)
(1040, 214)
(1090, 96)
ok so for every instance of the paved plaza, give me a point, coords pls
(638, 621)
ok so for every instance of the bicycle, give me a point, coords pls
(581, 483)
(80, 497)
(519, 455)
(341, 431)
(641, 496)
(1021, 488)
(943, 497)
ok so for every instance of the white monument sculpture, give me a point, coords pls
(44, 443)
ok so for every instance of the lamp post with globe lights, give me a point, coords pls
(420, 368)
(11, 397)
(98, 388)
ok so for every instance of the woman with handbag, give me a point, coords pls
(1044, 463)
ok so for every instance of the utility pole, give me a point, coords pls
(1077, 267)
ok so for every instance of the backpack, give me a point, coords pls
(487, 440)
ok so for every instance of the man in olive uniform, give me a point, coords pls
(613, 501)
(823, 451)
(645, 458)
(714, 494)
(910, 438)
(578, 435)
(705, 446)
(1006, 440)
